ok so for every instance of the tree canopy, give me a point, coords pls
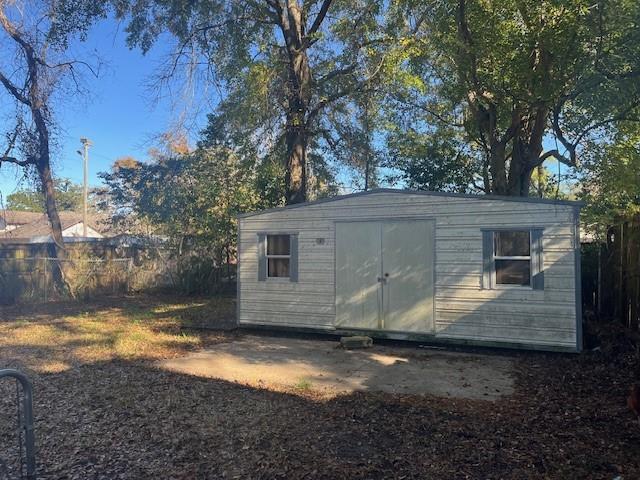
(522, 81)
(288, 72)
(68, 198)
(312, 96)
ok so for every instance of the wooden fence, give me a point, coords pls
(611, 274)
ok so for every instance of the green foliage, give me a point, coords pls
(611, 178)
(68, 197)
(544, 184)
(194, 198)
(242, 50)
(435, 161)
(506, 76)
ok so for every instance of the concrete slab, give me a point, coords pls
(323, 365)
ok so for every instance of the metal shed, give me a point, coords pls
(443, 267)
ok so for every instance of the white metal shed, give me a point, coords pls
(502, 271)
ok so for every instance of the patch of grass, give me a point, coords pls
(304, 385)
(52, 343)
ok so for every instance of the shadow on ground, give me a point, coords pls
(125, 418)
(132, 421)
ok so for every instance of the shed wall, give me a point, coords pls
(463, 311)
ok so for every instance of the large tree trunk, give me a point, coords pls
(56, 249)
(498, 168)
(296, 175)
(512, 155)
(298, 98)
(525, 152)
(46, 182)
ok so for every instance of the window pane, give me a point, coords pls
(512, 244)
(278, 267)
(513, 272)
(277, 244)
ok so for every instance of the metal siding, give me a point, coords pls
(262, 257)
(238, 289)
(377, 191)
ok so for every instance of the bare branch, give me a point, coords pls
(14, 160)
(69, 64)
(319, 17)
(359, 87)
(431, 112)
(13, 90)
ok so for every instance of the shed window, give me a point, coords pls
(513, 257)
(278, 255)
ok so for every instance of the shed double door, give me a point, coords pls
(384, 275)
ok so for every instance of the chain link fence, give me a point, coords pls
(32, 279)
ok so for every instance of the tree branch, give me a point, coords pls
(336, 73)
(13, 90)
(555, 153)
(14, 160)
(319, 17)
(359, 87)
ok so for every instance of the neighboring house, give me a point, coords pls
(35, 227)
(502, 271)
(12, 219)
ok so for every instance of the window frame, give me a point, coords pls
(536, 268)
(272, 256)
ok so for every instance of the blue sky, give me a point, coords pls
(119, 115)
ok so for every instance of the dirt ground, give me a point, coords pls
(322, 366)
(106, 410)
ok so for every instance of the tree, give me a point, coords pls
(281, 65)
(515, 76)
(611, 178)
(192, 198)
(31, 72)
(68, 198)
(349, 138)
(436, 160)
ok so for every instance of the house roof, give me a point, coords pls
(572, 203)
(16, 217)
(39, 226)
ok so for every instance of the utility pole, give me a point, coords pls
(86, 143)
